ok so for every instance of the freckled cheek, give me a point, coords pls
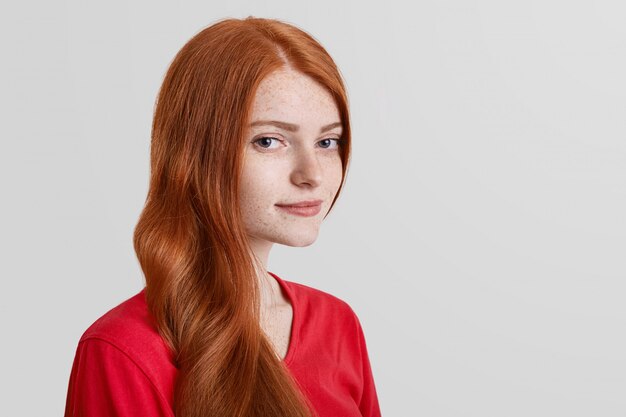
(257, 197)
(332, 181)
(335, 172)
(260, 192)
(259, 181)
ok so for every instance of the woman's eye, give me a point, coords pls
(337, 141)
(266, 141)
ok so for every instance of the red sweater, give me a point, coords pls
(123, 367)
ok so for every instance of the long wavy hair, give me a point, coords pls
(201, 275)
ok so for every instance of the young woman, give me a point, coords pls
(250, 146)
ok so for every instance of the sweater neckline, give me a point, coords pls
(295, 324)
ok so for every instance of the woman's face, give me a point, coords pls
(287, 165)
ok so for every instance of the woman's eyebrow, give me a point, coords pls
(289, 126)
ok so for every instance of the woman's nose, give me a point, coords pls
(307, 169)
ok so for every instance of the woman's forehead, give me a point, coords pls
(295, 98)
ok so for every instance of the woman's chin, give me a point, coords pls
(300, 240)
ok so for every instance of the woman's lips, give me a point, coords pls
(306, 211)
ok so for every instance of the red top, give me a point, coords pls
(123, 367)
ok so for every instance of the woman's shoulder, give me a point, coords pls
(320, 303)
(318, 295)
(129, 316)
(130, 327)
(122, 362)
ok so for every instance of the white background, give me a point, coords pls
(480, 237)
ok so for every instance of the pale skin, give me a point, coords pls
(292, 166)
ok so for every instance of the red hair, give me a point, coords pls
(201, 279)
